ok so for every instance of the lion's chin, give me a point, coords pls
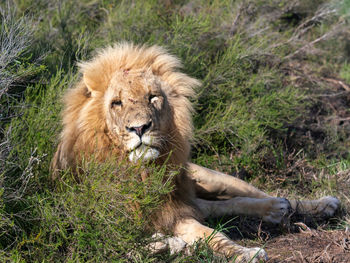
(144, 153)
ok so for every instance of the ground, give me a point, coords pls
(294, 241)
(316, 246)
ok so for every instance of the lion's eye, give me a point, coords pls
(116, 103)
(153, 98)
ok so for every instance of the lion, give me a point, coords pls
(132, 102)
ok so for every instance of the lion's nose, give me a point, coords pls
(140, 130)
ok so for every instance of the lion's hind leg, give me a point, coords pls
(191, 231)
(272, 210)
(322, 208)
(213, 184)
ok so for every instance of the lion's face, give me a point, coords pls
(137, 114)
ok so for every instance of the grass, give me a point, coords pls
(273, 108)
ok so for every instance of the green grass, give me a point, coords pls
(266, 106)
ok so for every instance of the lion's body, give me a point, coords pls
(132, 103)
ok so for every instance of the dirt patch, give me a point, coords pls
(310, 246)
(302, 239)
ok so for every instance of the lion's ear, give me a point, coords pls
(91, 84)
(94, 77)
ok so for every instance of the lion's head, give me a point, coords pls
(130, 102)
(138, 114)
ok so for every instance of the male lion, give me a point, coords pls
(132, 103)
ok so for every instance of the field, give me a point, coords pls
(273, 109)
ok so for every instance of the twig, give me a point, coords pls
(234, 23)
(323, 37)
(304, 27)
(339, 82)
(333, 94)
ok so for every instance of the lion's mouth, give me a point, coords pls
(139, 145)
(143, 152)
(142, 144)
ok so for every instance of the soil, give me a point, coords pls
(300, 239)
(310, 246)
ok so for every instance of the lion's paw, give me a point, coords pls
(173, 244)
(278, 208)
(176, 245)
(253, 255)
(327, 206)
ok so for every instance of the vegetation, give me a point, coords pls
(273, 109)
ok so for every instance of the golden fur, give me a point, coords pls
(85, 118)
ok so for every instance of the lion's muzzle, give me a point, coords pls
(140, 143)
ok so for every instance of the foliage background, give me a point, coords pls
(273, 109)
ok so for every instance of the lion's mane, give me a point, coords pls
(85, 132)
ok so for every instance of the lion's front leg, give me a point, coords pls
(191, 231)
(163, 243)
